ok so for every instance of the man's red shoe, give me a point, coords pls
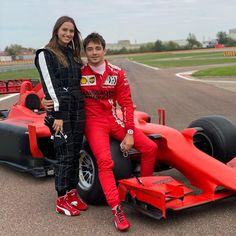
(75, 201)
(120, 219)
(63, 207)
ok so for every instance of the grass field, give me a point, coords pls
(167, 60)
(20, 74)
(160, 60)
(220, 71)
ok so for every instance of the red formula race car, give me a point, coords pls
(204, 153)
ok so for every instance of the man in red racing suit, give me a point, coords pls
(104, 85)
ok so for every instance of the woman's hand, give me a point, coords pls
(58, 126)
(48, 104)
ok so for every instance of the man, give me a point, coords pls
(104, 85)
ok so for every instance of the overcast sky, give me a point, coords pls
(30, 22)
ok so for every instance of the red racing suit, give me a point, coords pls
(102, 93)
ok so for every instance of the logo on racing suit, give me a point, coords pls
(111, 80)
(89, 80)
(99, 94)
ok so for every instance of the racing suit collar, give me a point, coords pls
(105, 71)
(99, 69)
(64, 49)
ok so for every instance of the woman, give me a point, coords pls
(59, 66)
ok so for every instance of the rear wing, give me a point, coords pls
(11, 86)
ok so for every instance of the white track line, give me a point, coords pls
(187, 76)
(150, 67)
(9, 96)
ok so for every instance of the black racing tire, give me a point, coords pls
(89, 187)
(216, 137)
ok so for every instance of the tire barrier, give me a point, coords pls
(11, 86)
(230, 53)
(6, 63)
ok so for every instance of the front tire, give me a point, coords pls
(89, 187)
(217, 137)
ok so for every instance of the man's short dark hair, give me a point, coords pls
(95, 38)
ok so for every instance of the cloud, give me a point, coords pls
(30, 22)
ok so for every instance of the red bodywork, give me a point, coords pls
(214, 179)
(32, 120)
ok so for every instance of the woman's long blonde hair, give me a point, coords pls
(75, 44)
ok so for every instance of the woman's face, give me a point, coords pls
(65, 33)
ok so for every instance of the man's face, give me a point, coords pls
(95, 54)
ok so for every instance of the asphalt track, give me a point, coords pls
(27, 204)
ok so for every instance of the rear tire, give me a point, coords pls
(89, 187)
(217, 137)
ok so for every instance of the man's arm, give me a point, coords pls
(123, 96)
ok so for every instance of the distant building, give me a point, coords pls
(5, 57)
(123, 44)
(232, 33)
(25, 56)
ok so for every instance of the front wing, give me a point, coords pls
(154, 195)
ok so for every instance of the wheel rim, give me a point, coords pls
(86, 171)
(203, 143)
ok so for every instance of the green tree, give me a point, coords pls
(171, 45)
(222, 37)
(123, 50)
(13, 49)
(230, 42)
(158, 46)
(148, 47)
(192, 41)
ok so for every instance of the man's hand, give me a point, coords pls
(127, 143)
(48, 104)
(58, 126)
